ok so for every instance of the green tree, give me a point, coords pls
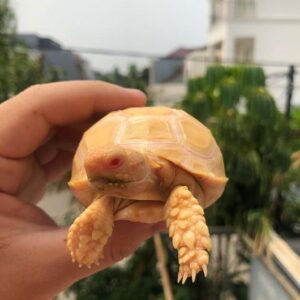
(17, 70)
(295, 127)
(254, 138)
(256, 141)
(133, 78)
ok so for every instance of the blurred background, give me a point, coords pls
(235, 66)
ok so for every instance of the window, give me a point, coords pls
(244, 49)
(243, 8)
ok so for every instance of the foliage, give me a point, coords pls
(254, 138)
(290, 216)
(295, 127)
(138, 278)
(133, 78)
(18, 70)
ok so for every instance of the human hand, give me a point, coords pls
(39, 132)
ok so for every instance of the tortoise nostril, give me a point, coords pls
(114, 158)
(115, 162)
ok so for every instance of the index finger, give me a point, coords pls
(26, 119)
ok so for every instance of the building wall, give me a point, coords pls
(164, 69)
(278, 9)
(274, 41)
(276, 31)
(217, 33)
(195, 64)
(167, 94)
(275, 27)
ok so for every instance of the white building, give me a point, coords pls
(266, 32)
(255, 30)
(167, 84)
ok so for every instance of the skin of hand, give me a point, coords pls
(39, 131)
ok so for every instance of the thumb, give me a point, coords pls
(51, 263)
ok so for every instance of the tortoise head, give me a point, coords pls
(115, 167)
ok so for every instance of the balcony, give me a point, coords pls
(223, 10)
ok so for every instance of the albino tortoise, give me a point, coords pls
(146, 165)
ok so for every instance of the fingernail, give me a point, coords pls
(132, 90)
(136, 92)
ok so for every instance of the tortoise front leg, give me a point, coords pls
(90, 231)
(189, 232)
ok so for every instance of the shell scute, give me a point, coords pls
(144, 129)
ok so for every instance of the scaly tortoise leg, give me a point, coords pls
(90, 231)
(189, 232)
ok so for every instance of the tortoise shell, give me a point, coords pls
(168, 133)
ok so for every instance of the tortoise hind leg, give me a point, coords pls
(189, 232)
(90, 231)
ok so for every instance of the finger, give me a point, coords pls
(27, 118)
(66, 139)
(48, 253)
(56, 168)
(16, 174)
(47, 152)
(53, 246)
(11, 207)
(84, 125)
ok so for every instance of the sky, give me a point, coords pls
(155, 26)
